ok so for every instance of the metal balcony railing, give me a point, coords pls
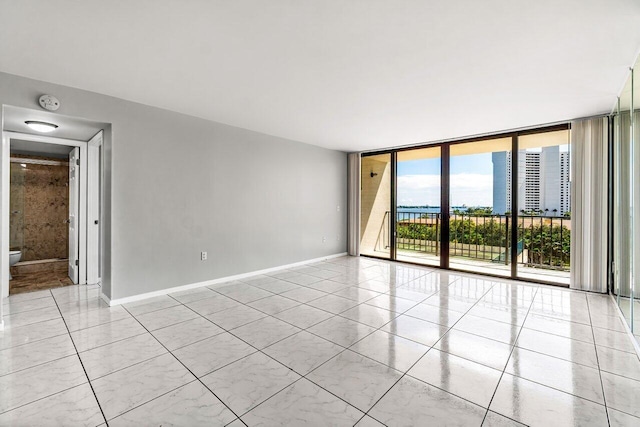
(543, 241)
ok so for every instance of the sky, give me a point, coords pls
(471, 181)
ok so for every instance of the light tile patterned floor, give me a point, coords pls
(350, 341)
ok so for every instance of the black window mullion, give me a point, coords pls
(394, 209)
(514, 206)
(445, 184)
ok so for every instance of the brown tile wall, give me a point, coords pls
(16, 207)
(46, 208)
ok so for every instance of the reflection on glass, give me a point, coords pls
(480, 199)
(544, 206)
(375, 206)
(626, 209)
(419, 218)
(617, 211)
(634, 212)
(623, 238)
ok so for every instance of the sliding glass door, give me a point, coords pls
(497, 205)
(626, 203)
(544, 206)
(623, 240)
(418, 211)
(480, 198)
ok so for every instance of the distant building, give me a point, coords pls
(501, 182)
(532, 182)
(565, 183)
(543, 181)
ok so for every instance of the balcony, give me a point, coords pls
(481, 243)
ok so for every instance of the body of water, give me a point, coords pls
(411, 213)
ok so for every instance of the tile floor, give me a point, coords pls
(350, 341)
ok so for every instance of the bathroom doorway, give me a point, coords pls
(52, 215)
(40, 212)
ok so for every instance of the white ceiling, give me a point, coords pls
(350, 75)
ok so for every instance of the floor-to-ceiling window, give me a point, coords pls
(418, 210)
(544, 206)
(497, 205)
(480, 213)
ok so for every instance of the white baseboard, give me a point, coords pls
(636, 345)
(161, 292)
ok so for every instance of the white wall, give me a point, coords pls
(178, 185)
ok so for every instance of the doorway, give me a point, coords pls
(56, 227)
(40, 242)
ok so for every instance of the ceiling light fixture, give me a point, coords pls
(41, 126)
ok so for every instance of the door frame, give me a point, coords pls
(4, 204)
(75, 168)
(95, 176)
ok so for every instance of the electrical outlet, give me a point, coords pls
(203, 256)
(324, 239)
(338, 208)
(337, 238)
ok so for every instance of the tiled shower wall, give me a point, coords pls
(39, 206)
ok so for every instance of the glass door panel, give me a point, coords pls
(626, 206)
(544, 206)
(480, 201)
(621, 208)
(375, 205)
(418, 214)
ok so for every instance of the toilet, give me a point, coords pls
(14, 257)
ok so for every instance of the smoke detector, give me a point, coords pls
(49, 102)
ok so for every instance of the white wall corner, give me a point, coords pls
(105, 298)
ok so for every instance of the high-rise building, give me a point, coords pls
(501, 182)
(543, 181)
(565, 180)
(532, 182)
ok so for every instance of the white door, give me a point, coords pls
(74, 213)
(94, 209)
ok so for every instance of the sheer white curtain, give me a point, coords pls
(589, 204)
(353, 238)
